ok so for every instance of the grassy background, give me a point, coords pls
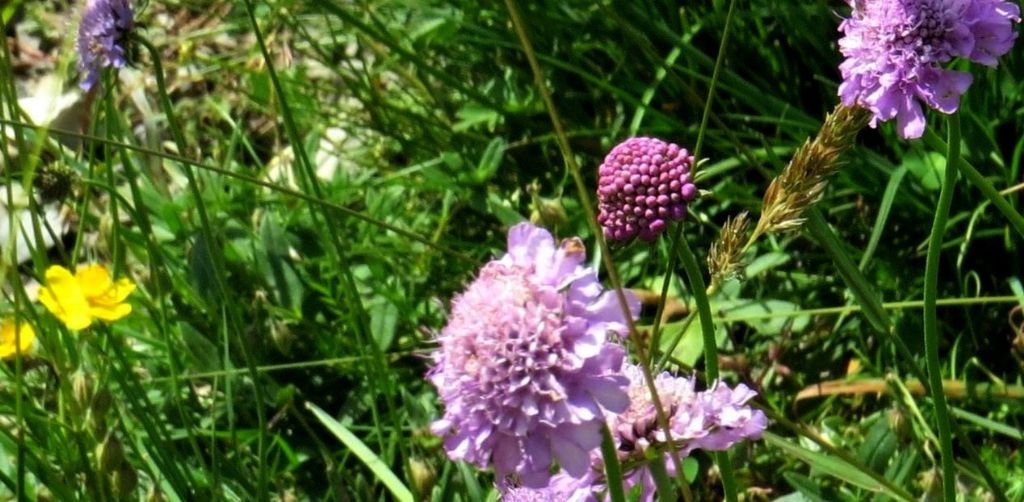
(354, 163)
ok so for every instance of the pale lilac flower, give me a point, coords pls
(102, 38)
(643, 184)
(525, 367)
(714, 420)
(895, 50)
(561, 488)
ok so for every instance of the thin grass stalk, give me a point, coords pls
(979, 181)
(673, 253)
(325, 204)
(350, 292)
(9, 98)
(707, 329)
(157, 269)
(865, 295)
(823, 442)
(680, 249)
(207, 234)
(931, 321)
(606, 257)
(612, 468)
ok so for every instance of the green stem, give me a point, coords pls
(216, 258)
(707, 329)
(931, 328)
(588, 209)
(979, 181)
(612, 468)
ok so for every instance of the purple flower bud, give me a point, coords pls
(655, 182)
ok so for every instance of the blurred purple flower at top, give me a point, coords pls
(643, 184)
(895, 49)
(525, 367)
(101, 38)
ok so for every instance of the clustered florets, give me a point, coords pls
(714, 420)
(895, 49)
(643, 184)
(102, 38)
(525, 366)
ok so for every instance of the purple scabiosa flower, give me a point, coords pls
(714, 419)
(895, 49)
(101, 38)
(643, 184)
(561, 488)
(525, 367)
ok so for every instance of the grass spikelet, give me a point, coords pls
(804, 180)
(726, 255)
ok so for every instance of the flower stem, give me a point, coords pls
(612, 468)
(979, 181)
(931, 329)
(707, 329)
(588, 209)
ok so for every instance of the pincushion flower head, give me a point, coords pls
(643, 184)
(714, 419)
(15, 338)
(895, 50)
(103, 37)
(525, 367)
(90, 294)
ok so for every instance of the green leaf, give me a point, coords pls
(364, 454)
(280, 274)
(807, 489)
(832, 466)
(383, 320)
(772, 320)
(766, 262)
(927, 167)
(490, 161)
(691, 347)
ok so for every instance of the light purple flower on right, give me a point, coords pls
(895, 50)
(713, 420)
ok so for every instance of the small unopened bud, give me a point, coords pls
(101, 403)
(81, 388)
(124, 481)
(549, 213)
(155, 495)
(109, 454)
(43, 494)
(282, 336)
(898, 422)
(56, 181)
(423, 476)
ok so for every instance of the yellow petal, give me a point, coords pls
(114, 295)
(111, 313)
(93, 279)
(8, 339)
(63, 297)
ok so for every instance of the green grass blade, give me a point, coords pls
(884, 207)
(612, 469)
(865, 295)
(835, 467)
(363, 453)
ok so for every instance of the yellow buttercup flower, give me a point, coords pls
(11, 341)
(90, 294)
